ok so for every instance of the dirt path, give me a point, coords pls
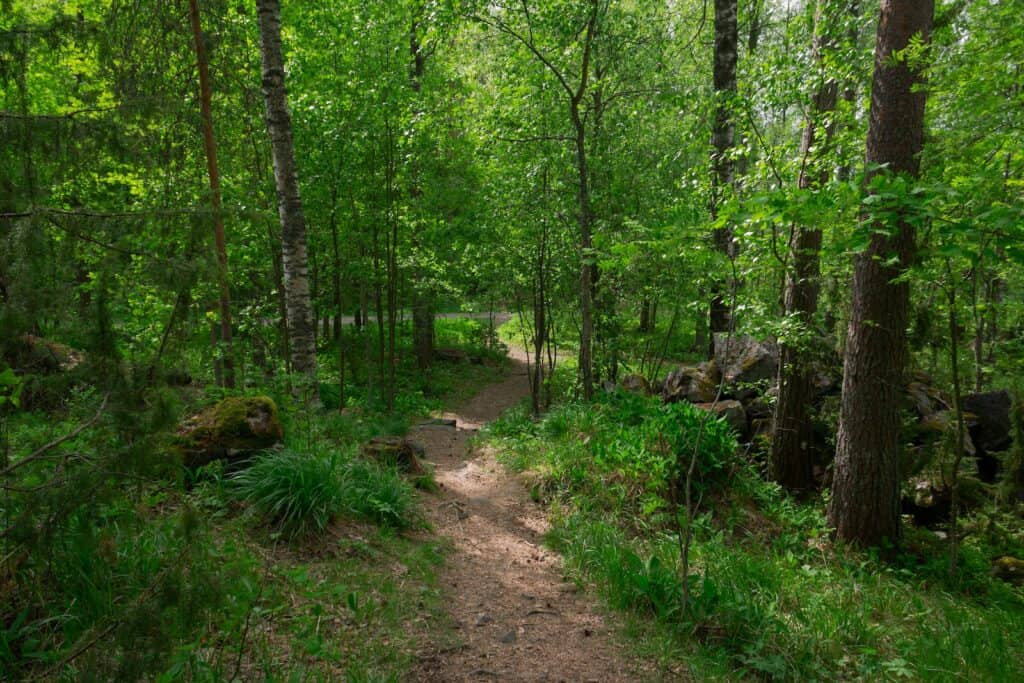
(517, 619)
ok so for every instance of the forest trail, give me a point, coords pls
(517, 619)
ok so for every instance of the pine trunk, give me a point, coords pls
(213, 173)
(792, 457)
(865, 507)
(723, 137)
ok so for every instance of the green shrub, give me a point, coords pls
(378, 494)
(302, 493)
(623, 453)
(299, 492)
(627, 578)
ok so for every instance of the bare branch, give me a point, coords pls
(44, 449)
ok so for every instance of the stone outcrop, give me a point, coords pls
(693, 383)
(744, 360)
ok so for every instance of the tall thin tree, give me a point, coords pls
(422, 303)
(792, 462)
(723, 139)
(213, 172)
(294, 253)
(865, 507)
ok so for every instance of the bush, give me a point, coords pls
(302, 493)
(623, 453)
(298, 492)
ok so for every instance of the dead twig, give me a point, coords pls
(44, 449)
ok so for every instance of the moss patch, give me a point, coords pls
(231, 429)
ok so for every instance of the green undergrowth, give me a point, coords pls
(301, 493)
(306, 566)
(634, 350)
(309, 563)
(771, 596)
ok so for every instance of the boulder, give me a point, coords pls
(931, 502)
(1009, 569)
(744, 360)
(30, 354)
(937, 425)
(992, 431)
(398, 452)
(924, 398)
(731, 411)
(693, 383)
(451, 355)
(232, 430)
(636, 384)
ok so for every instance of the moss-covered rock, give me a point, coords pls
(636, 384)
(231, 430)
(693, 383)
(1009, 569)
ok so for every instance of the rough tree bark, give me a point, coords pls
(227, 364)
(723, 138)
(792, 461)
(865, 507)
(301, 328)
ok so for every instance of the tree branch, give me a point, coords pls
(44, 449)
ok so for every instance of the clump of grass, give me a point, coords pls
(301, 493)
(298, 492)
(378, 493)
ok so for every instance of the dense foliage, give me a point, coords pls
(617, 188)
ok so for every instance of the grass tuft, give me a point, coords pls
(301, 493)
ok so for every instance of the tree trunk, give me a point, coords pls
(792, 458)
(979, 330)
(301, 330)
(391, 252)
(210, 147)
(422, 301)
(586, 217)
(336, 332)
(723, 137)
(865, 507)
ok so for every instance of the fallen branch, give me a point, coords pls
(44, 449)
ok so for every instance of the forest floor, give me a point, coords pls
(515, 616)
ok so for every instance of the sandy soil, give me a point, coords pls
(517, 619)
